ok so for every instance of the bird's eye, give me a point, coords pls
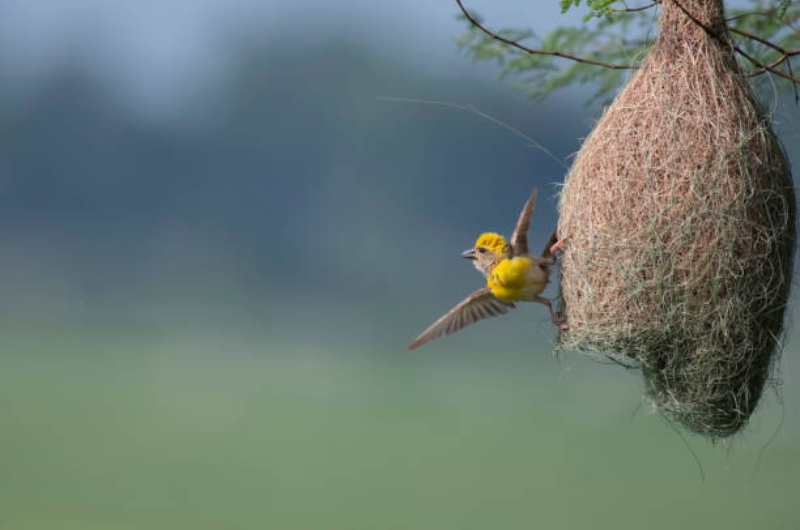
(481, 250)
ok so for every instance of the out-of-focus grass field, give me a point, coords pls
(113, 431)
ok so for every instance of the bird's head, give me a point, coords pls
(489, 249)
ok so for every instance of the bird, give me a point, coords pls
(512, 274)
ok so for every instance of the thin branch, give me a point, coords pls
(737, 49)
(766, 67)
(786, 21)
(640, 8)
(763, 41)
(770, 13)
(785, 54)
(532, 51)
(710, 32)
(794, 85)
(773, 64)
(762, 68)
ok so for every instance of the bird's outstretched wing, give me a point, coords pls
(477, 306)
(550, 242)
(519, 239)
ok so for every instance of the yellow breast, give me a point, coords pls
(509, 277)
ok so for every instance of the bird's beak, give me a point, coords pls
(468, 254)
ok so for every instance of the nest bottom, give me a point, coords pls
(695, 296)
(710, 384)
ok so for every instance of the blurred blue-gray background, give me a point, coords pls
(216, 239)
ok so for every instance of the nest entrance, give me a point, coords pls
(680, 211)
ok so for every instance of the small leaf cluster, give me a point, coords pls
(778, 24)
(614, 32)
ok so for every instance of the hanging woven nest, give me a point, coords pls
(680, 213)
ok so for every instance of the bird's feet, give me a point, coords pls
(557, 245)
(559, 320)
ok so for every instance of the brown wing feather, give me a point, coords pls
(550, 242)
(477, 306)
(519, 239)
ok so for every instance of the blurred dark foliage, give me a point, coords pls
(291, 158)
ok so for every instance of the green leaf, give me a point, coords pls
(608, 33)
(567, 4)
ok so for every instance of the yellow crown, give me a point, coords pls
(491, 241)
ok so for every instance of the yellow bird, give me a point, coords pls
(512, 275)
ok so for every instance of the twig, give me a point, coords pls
(763, 41)
(766, 67)
(640, 8)
(762, 68)
(769, 13)
(532, 51)
(785, 54)
(773, 64)
(727, 43)
(710, 32)
(796, 93)
(786, 21)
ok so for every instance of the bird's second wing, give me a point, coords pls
(550, 242)
(519, 239)
(477, 306)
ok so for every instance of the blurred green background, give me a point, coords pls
(216, 241)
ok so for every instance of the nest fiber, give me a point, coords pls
(680, 213)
